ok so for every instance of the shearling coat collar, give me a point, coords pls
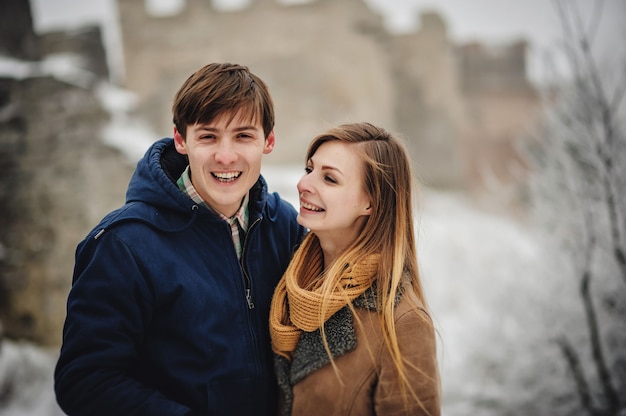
(310, 353)
(363, 380)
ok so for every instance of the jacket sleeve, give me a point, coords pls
(108, 308)
(416, 340)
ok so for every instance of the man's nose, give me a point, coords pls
(226, 152)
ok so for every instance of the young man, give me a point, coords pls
(168, 311)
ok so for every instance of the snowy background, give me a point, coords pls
(500, 289)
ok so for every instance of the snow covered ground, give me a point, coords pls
(26, 381)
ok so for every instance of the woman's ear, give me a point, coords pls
(368, 210)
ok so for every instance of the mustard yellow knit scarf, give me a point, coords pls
(298, 299)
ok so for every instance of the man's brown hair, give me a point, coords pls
(222, 88)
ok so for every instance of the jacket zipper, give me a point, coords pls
(246, 279)
(248, 292)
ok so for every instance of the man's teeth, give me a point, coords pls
(310, 207)
(227, 176)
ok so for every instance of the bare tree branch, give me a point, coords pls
(604, 375)
(594, 22)
(588, 82)
(620, 92)
(573, 362)
(584, 160)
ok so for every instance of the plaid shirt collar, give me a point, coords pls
(185, 185)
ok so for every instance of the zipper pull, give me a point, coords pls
(249, 299)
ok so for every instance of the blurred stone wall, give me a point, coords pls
(329, 61)
(324, 61)
(85, 42)
(502, 106)
(430, 106)
(16, 26)
(57, 179)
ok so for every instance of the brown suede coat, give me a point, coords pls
(367, 383)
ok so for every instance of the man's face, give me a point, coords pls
(224, 159)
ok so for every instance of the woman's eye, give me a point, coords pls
(308, 169)
(330, 179)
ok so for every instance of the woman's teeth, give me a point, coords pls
(310, 207)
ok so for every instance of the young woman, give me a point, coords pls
(349, 323)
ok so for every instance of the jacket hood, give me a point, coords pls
(154, 179)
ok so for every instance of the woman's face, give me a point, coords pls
(333, 203)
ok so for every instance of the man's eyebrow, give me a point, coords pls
(241, 128)
(245, 128)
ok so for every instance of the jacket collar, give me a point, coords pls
(310, 354)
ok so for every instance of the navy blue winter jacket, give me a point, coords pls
(162, 318)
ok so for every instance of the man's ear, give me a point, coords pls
(179, 142)
(270, 141)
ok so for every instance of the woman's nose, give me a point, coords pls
(304, 184)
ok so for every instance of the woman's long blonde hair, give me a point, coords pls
(388, 182)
